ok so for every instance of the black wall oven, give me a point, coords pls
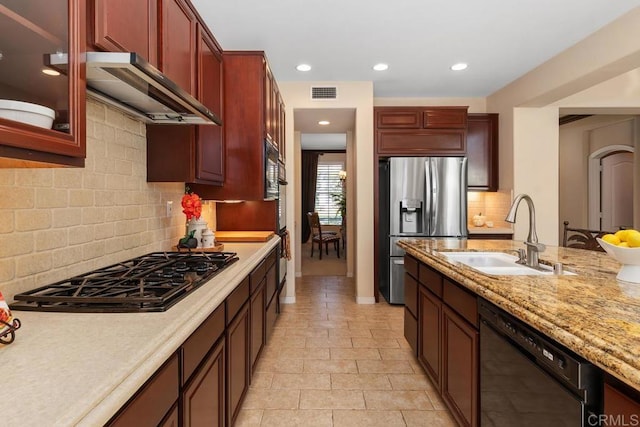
(270, 171)
(527, 379)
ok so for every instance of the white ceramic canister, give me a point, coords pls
(208, 238)
(199, 225)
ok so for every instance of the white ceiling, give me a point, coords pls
(420, 39)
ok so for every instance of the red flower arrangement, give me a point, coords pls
(192, 206)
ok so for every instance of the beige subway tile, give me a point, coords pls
(8, 177)
(50, 239)
(16, 244)
(93, 250)
(29, 265)
(35, 219)
(93, 215)
(35, 177)
(367, 418)
(95, 110)
(295, 418)
(17, 198)
(7, 222)
(67, 256)
(114, 117)
(360, 382)
(104, 231)
(67, 178)
(66, 217)
(51, 198)
(7, 270)
(331, 399)
(81, 198)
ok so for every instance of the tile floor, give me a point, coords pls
(332, 362)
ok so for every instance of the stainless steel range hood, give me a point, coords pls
(129, 82)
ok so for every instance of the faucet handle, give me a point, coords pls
(522, 256)
(539, 247)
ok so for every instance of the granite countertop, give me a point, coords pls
(79, 368)
(591, 313)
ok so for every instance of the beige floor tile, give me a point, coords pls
(267, 399)
(261, 380)
(329, 324)
(279, 366)
(305, 353)
(397, 354)
(332, 399)
(397, 400)
(350, 333)
(249, 418)
(287, 342)
(375, 342)
(428, 419)
(403, 343)
(410, 382)
(330, 366)
(360, 382)
(355, 353)
(369, 324)
(384, 367)
(367, 418)
(436, 401)
(307, 332)
(331, 342)
(387, 333)
(296, 418)
(301, 381)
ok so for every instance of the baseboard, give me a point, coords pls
(288, 300)
(365, 300)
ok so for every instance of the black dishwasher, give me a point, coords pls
(527, 379)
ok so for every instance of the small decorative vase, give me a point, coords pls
(208, 238)
(199, 225)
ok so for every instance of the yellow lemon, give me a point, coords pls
(622, 235)
(633, 238)
(623, 245)
(611, 238)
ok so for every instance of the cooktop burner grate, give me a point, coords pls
(152, 282)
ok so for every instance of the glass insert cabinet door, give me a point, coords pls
(42, 87)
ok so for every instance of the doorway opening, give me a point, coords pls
(611, 188)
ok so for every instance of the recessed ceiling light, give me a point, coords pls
(459, 66)
(324, 122)
(50, 72)
(380, 67)
(303, 67)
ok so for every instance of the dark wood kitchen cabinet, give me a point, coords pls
(482, 152)
(190, 153)
(448, 340)
(177, 50)
(420, 130)
(621, 403)
(249, 117)
(257, 317)
(53, 32)
(411, 302)
(126, 26)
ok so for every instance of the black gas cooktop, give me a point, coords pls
(152, 282)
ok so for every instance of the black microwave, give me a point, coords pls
(270, 171)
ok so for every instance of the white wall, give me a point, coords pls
(359, 96)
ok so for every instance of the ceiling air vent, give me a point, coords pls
(324, 92)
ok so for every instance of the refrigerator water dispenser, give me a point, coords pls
(411, 216)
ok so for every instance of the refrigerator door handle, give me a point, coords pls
(428, 195)
(398, 261)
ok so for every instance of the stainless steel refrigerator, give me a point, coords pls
(421, 197)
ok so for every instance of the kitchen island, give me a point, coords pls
(80, 368)
(591, 312)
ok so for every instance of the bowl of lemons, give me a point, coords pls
(624, 247)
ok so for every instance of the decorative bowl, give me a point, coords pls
(628, 257)
(25, 112)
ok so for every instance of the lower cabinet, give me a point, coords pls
(448, 341)
(621, 404)
(205, 381)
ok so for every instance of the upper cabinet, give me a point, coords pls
(126, 26)
(408, 131)
(482, 151)
(252, 119)
(178, 43)
(42, 95)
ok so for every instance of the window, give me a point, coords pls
(329, 192)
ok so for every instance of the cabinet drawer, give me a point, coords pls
(462, 301)
(200, 342)
(411, 265)
(236, 300)
(445, 118)
(257, 275)
(398, 119)
(431, 279)
(154, 399)
(411, 294)
(411, 330)
(271, 259)
(422, 141)
(272, 283)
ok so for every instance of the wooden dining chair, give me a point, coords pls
(582, 238)
(322, 237)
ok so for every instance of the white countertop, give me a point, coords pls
(68, 369)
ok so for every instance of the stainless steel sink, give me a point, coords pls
(498, 264)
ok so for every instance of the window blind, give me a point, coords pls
(328, 192)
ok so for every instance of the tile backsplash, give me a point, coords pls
(493, 205)
(58, 222)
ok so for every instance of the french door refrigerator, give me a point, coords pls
(420, 197)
